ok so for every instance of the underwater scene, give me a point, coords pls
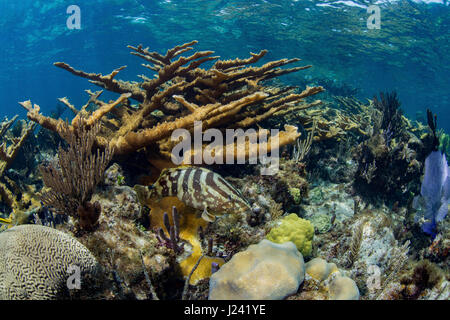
(225, 150)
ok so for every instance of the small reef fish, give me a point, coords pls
(201, 189)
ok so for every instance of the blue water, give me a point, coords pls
(408, 54)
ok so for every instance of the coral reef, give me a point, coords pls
(285, 190)
(391, 120)
(36, 263)
(265, 271)
(342, 195)
(331, 200)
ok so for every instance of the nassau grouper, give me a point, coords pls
(201, 189)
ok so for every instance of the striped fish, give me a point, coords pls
(201, 189)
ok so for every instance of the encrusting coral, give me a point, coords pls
(265, 271)
(320, 269)
(230, 94)
(325, 281)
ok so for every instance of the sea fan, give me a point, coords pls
(432, 204)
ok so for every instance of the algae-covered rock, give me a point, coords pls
(294, 229)
(36, 263)
(265, 271)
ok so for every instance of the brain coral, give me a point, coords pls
(34, 262)
(295, 229)
(265, 271)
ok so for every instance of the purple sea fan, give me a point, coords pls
(433, 203)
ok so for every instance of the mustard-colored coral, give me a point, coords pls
(230, 94)
(295, 229)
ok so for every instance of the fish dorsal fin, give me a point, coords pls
(184, 166)
(207, 216)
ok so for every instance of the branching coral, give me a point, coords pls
(78, 173)
(9, 148)
(358, 115)
(228, 94)
(331, 122)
